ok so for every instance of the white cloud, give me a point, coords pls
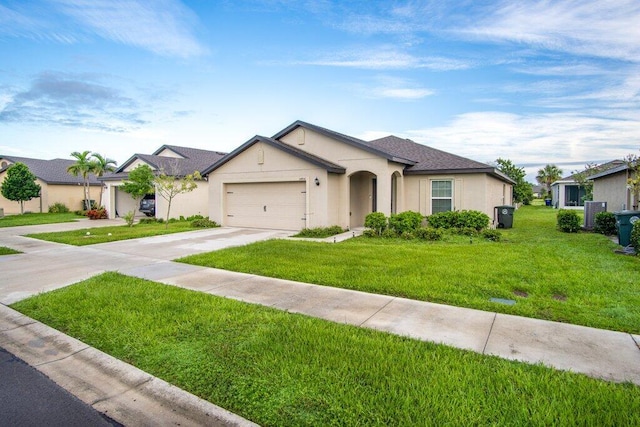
(385, 58)
(164, 27)
(560, 138)
(584, 27)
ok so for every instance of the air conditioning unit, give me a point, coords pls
(590, 211)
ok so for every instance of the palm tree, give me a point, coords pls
(102, 165)
(82, 167)
(548, 175)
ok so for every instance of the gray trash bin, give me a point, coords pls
(505, 216)
(624, 224)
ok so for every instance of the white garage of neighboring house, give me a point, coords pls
(172, 159)
(307, 176)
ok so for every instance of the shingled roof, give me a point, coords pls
(417, 158)
(191, 160)
(430, 160)
(51, 171)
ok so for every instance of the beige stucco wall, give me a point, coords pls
(354, 160)
(264, 163)
(195, 202)
(613, 190)
(169, 153)
(135, 164)
(70, 195)
(479, 192)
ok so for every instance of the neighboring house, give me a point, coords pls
(58, 186)
(611, 186)
(173, 160)
(566, 193)
(538, 190)
(309, 176)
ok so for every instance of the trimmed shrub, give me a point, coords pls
(467, 231)
(635, 237)
(605, 223)
(459, 219)
(568, 221)
(204, 223)
(369, 233)
(376, 221)
(97, 213)
(473, 219)
(493, 235)
(389, 234)
(408, 235)
(444, 220)
(319, 232)
(58, 208)
(407, 221)
(429, 233)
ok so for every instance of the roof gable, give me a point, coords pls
(188, 160)
(296, 152)
(355, 142)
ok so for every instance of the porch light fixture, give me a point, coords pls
(317, 181)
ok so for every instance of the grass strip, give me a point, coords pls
(91, 236)
(573, 278)
(277, 368)
(8, 251)
(37, 219)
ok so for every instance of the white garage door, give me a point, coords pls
(276, 205)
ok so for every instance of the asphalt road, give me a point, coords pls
(29, 398)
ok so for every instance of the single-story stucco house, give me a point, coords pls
(57, 185)
(173, 160)
(611, 186)
(307, 176)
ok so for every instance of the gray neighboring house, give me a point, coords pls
(611, 186)
(58, 186)
(566, 193)
(173, 160)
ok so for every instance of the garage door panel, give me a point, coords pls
(280, 205)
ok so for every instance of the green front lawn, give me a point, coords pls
(283, 369)
(37, 219)
(574, 278)
(8, 251)
(90, 236)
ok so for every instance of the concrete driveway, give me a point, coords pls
(45, 266)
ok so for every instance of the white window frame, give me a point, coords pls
(432, 197)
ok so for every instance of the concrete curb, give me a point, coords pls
(121, 391)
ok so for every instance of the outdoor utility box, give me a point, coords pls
(591, 209)
(624, 224)
(1, 212)
(505, 216)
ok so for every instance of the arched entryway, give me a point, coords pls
(363, 188)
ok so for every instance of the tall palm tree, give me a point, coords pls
(82, 167)
(102, 165)
(548, 175)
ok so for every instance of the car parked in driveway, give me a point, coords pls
(148, 205)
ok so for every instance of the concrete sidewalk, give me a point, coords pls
(133, 397)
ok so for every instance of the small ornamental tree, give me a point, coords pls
(169, 186)
(522, 190)
(139, 184)
(20, 185)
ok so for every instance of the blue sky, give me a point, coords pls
(533, 81)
